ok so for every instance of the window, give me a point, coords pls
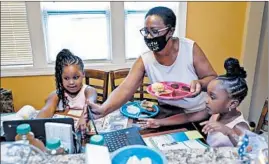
(15, 40)
(134, 20)
(104, 34)
(82, 27)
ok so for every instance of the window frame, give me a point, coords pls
(47, 13)
(117, 42)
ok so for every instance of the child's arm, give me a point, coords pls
(236, 132)
(233, 134)
(50, 107)
(90, 94)
(174, 120)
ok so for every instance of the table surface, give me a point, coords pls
(165, 110)
(183, 156)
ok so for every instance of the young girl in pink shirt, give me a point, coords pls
(225, 93)
(70, 92)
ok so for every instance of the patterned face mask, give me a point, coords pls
(158, 43)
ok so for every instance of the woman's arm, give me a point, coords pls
(126, 89)
(183, 118)
(50, 107)
(203, 68)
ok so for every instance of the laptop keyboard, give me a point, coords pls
(115, 140)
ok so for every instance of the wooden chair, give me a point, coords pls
(262, 121)
(97, 76)
(140, 94)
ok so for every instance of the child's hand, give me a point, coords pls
(148, 123)
(81, 125)
(214, 126)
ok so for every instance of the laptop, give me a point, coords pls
(120, 138)
(37, 127)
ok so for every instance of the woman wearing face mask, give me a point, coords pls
(170, 59)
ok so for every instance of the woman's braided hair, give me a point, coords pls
(234, 80)
(64, 58)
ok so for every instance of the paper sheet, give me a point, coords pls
(113, 121)
(77, 113)
(178, 140)
(193, 134)
(63, 116)
(194, 144)
(163, 143)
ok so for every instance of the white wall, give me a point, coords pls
(260, 86)
(250, 49)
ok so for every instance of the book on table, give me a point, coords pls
(176, 140)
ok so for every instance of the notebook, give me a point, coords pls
(177, 140)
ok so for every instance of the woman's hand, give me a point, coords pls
(96, 110)
(214, 126)
(195, 88)
(148, 123)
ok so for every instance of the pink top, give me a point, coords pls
(77, 102)
(218, 139)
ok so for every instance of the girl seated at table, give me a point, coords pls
(70, 92)
(225, 93)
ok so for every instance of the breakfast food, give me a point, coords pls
(133, 109)
(175, 86)
(134, 160)
(148, 105)
(165, 92)
(158, 87)
(185, 88)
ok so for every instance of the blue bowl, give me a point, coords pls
(122, 155)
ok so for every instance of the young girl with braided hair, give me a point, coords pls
(70, 92)
(225, 93)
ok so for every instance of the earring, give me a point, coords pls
(230, 109)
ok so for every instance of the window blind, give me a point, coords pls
(15, 38)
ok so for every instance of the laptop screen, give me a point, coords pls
(37, 127)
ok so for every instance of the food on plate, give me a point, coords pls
(175, 86)
(165, 92)
(157, 87)
(133, 109)
(134, 160)
(147, 105)
(185, 88)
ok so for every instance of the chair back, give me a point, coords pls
(118, 75)
(98, 79)
(263, 121)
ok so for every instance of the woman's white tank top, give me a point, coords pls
(182, 70)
